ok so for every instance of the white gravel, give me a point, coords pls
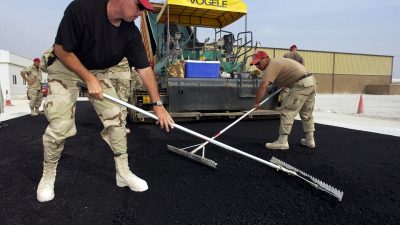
(381, 112)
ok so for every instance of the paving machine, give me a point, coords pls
(200, 80)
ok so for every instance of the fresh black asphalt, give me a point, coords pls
(242, 191)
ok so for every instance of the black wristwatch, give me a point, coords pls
(157, 103)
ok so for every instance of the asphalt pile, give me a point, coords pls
(241, 191)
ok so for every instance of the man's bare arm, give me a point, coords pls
(23, 75)
(71, 61)
(261, 93)
(149, 80)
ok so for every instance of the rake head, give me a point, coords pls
(192, 156)
(310, 179)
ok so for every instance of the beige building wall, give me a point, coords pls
(340, 72)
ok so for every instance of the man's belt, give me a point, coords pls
(305, 76)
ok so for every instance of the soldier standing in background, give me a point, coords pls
(33, 76)
(2, 124)
(293, 54)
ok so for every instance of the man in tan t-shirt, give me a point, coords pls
(288, 73)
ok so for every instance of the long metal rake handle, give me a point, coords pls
(235, 122)
(186, 130)
(225, 146)
(220, 144)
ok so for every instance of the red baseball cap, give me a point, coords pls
(36, 60)
(292, 47)
(258, 56)
(146, 4)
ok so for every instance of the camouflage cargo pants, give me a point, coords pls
(35, 98)
(60, 108)
(300, 99)
(283, 94)
(123, 89)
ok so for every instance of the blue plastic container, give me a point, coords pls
(202, 69)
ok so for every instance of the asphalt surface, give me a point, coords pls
(364, 165)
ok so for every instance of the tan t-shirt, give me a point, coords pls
(34, 75)
(283, 71)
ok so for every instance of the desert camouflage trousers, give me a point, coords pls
(283, 94)
(300, 99)
(123, 89)
(35, 98)
(60, 108)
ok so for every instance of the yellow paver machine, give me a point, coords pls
(200, 80)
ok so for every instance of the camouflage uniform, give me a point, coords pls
(177, 69)
(60, 108)
(301, 86)
(300, 100)
(137, 83)
(1, 100)
(35, 89)
(48, 58)
(2, 124)
(120, 77)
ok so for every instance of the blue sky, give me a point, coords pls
(360, 26)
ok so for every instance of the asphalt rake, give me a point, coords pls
(202, 146)
(283, 167)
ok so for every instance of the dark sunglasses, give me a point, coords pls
(140, 6)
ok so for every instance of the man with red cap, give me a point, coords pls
(33, 77)
(293, 54)
(94, 36)
(301, 86)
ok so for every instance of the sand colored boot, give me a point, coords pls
(281, 143)
(33, 112)
(45, 190)
(39, 112)
(125, 177)
(309, 140)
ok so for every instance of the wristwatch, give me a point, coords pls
(157, 103)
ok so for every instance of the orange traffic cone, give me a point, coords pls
(360, 109)
(8, 99)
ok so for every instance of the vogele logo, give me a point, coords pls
(216, 3)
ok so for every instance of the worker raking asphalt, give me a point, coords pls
(364, 165)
